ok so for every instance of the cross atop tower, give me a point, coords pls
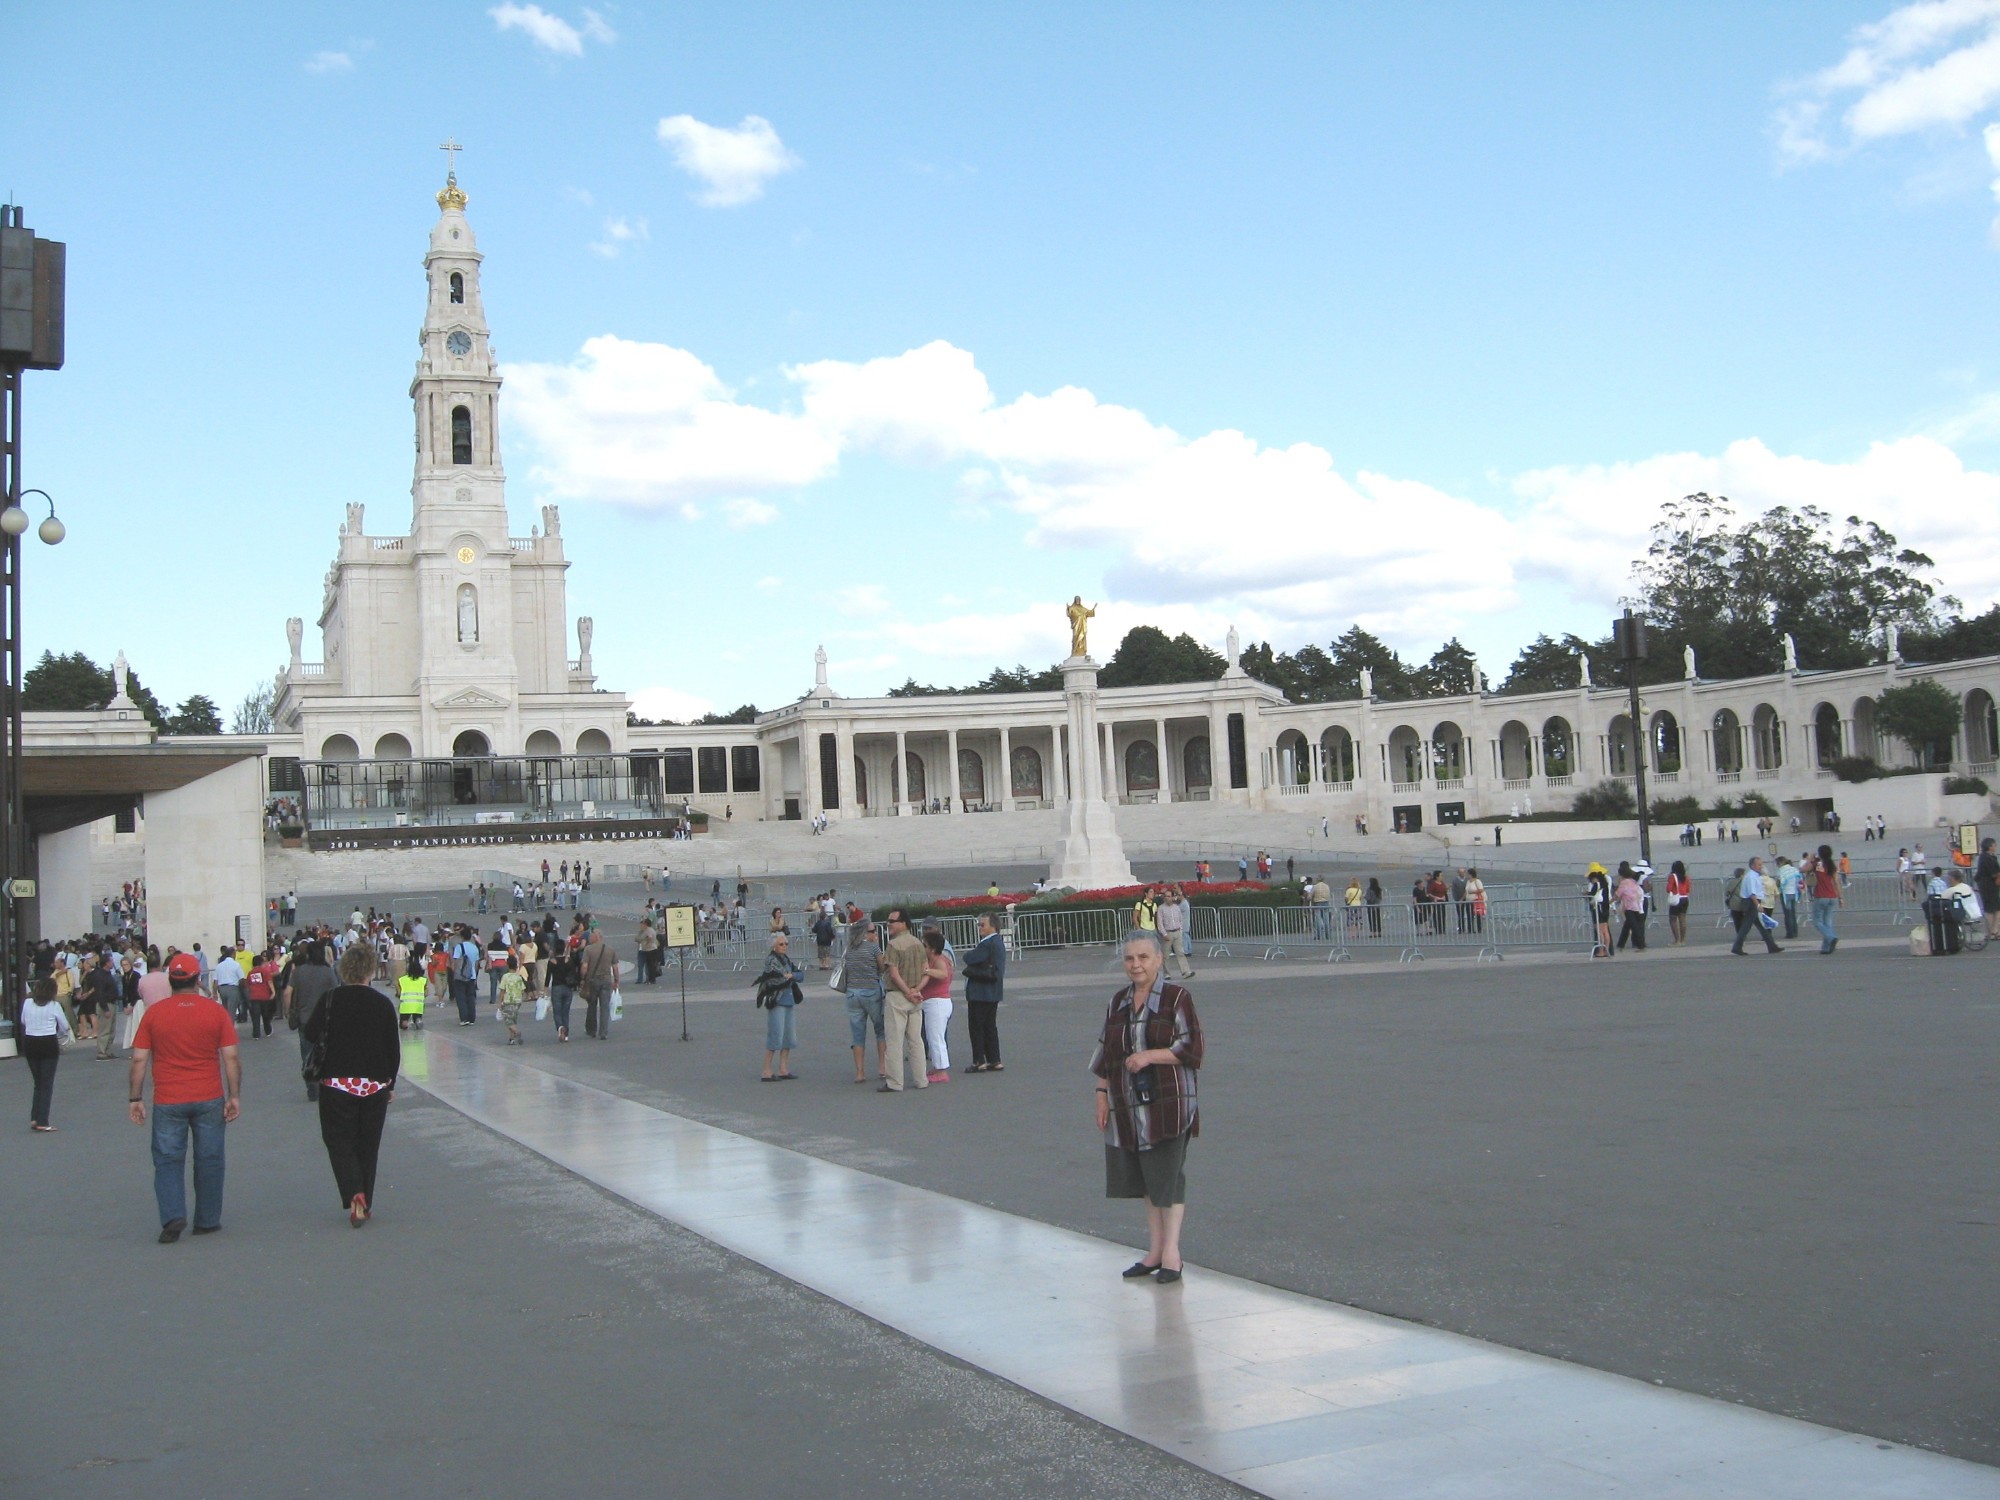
(451, 148)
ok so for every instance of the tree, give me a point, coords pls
(1923, 715)
(1451, 672)
(1148, 657)
(1956, 639)
(253, 714)
(73, 683)
(196, 715)
(1357, 649)
(1733, 594)
(747, 714)
(1546, 665)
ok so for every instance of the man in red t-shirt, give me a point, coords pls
(189, 1042)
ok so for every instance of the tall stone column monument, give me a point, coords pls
(1092, 854)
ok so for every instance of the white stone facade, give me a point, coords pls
(451, 639)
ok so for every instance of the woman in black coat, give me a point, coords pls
(357, 1052)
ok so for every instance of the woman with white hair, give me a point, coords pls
(1148, 1054)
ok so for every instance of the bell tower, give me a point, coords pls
(455, 392)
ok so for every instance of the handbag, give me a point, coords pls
(834, 981)
(314, 1066)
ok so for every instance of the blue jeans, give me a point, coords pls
(864, 1007)
(1822, 918)
(781, 1028)
(465, 994)
(560, 996)
(493, 978)
(1791, 905)
(172, 1124)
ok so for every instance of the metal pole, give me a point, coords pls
(13, 837)
(1641, 740)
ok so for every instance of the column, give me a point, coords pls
(1058, 773)
(1218, 752)
(1006, 798)
(1110, 765)
(899, 776)
(843, 746)
(951, 761)
(1166, 793)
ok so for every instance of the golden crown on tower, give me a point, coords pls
(451, 195)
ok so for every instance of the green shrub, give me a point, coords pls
(1961, 786)
(1608, 799)
(1676, 810)
(1757, 805)
(1856, 767)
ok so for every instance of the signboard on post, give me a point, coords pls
(1968, 840)
(677, 931)
(677, 926)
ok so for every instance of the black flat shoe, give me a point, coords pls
(1137, 1269)
(171, 1230)
(1166, 1277)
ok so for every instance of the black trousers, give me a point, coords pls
(262, 1012)
(1634, 931)
(352, 1131)
(983, 1021)
(41, 1060)
(597, 1016)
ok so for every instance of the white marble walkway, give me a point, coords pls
(1282, 1393)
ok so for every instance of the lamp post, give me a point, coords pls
(1628, 634)
(31, 338)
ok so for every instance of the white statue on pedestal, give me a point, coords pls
(819, 669)
(120, 672)
(1687, 663)
(1791, 653)
(1583, 664)
(1894, 642)
(584, 627)
(295, 630)
(1367, 683)
(551, 521)
(1233, 647)
(355, 510)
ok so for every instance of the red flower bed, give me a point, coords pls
(1118, 895)
(980, 903)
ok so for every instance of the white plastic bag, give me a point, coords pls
(617, 1005)
(541, 1007)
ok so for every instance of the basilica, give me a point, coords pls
(446, 694)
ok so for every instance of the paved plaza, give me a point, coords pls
(1766, 1181)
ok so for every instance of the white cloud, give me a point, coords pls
(732, 164)
(669, 703)
(1586, 523)
(1932, 65)
(330, 62)
(551, 32)
(770, 583)
(649, 425)
(1204, 530)
(619, 233)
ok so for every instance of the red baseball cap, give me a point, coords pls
(183, 966)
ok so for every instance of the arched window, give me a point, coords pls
(468, 613)
(457, 287)
(461, 435)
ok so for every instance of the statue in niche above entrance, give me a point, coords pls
(1080, 617)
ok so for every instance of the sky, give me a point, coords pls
(890, 328)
